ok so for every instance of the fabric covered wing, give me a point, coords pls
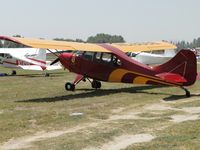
(63, 45)
(149, 46)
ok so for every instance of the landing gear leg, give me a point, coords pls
(71, 86)
(187, 93)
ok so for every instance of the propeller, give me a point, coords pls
(55, 61)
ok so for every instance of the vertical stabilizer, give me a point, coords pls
(183, 64)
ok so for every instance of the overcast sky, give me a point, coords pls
(135, 20)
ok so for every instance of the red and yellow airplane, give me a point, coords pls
(108, 62)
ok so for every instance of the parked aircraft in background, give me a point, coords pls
(109, 63)
(153, 57)
(25, 58)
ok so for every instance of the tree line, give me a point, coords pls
(184, 44)
(98, 38)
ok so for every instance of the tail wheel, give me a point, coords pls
(69, 86)
(96, 84)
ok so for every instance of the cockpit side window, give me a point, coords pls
(116, 61)
(88, 55)
(79, 53)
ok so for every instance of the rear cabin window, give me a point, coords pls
(98, 56)
(116, 61)
(107, 57)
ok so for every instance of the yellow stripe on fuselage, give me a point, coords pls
(118, 74)
(140, 80)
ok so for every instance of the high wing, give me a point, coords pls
(51, 44)
(63, 45)
(149, 46)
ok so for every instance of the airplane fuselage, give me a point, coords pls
(111, 68)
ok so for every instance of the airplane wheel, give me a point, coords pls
(14, 72)
(69, 86)
(96, 84)
(47, 74)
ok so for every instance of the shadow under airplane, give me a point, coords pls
(102, 92)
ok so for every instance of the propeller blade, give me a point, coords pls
(55, 61)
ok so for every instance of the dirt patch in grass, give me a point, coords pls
(159, 107)
(192, 110)
(124, 141)
(182, 118)
(26, 141)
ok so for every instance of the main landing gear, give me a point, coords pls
(71, 86)
(187, 93)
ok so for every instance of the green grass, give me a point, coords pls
(182, 136)
(31, 103)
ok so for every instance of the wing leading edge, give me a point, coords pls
(64, 45)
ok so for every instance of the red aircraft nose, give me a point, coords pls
(65, 59)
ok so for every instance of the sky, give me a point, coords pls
(135, 20)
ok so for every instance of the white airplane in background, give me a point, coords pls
(25, 58)
(153, 57)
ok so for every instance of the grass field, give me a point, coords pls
(37, 113)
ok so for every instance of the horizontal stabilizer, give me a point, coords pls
(172, 77)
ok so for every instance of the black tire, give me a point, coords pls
(96, 84)
(14, 72)
(69, 86)
(47, 74)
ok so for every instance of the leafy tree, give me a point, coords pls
(17, 35)
(79, 40)
(105, 38)
(69, 40)
(183, 44)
